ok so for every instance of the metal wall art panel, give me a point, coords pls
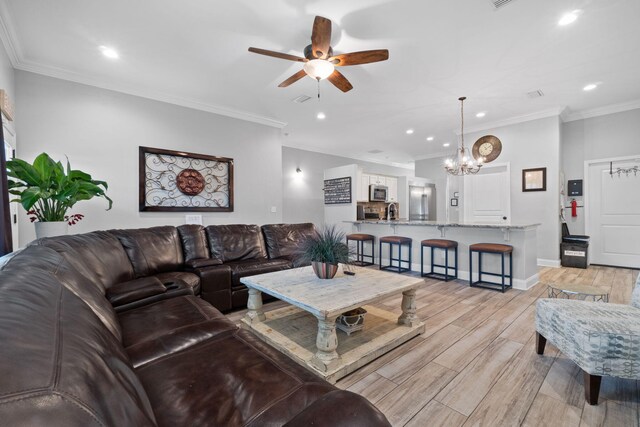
(184, 182)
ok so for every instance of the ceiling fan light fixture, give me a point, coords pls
(318, 69)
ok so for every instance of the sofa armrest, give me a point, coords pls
(340, 408)
(201, 263)
(135, 290)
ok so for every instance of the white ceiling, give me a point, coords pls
(195, 54)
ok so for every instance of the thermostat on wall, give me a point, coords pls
(575, 187)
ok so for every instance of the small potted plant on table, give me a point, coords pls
(325, 250)
(47, 191)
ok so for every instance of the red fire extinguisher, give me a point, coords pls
(574, 208)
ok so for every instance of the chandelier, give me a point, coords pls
(621, 171)
(462, 162)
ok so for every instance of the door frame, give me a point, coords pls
(585, 177)
(506, 165)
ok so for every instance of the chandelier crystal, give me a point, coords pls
(462, 162)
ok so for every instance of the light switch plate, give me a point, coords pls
(274, 209)
(193, 219)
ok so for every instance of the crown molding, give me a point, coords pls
(552, 112)
(18, 61)
(8, 36)
(361, 159)
(602, 111)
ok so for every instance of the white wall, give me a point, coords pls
(525, 145)
(101, 130)
(610, 136)
(303, 198)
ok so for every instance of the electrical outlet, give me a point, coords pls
(193, 219)
(274, 209)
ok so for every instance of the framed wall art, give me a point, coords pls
(534, 179)
(184, 182)
(337, 191)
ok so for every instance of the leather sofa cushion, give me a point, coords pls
(236, 242)
(41, 258)
(338, 408)
(97, 255)
(252, 267)
(152, 321)
(283, 240)
(194, 242)
(152, 250)
(62, 366)
(255, 384)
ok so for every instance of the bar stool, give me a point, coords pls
(440, 244)
(491, 248)
(392, 241)
(360, 240)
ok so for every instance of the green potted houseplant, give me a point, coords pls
(325, 249)
(47, 191)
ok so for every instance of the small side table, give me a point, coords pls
(581, 292)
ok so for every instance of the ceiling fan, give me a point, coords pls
(319, 60)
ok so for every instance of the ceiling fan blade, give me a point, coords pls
(277, 54)
(321, 37)
(357, 58)
(340, 81)
(297, 76)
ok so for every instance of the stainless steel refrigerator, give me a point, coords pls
(422, 203)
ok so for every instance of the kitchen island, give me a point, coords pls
(523, 238)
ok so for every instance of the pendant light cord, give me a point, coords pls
(462, 121)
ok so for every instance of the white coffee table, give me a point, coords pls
(317, 303)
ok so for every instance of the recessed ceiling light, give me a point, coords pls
(481, 114)
(321, 116)
(409, 131)
(429, 138)
(569, 18)
(589, 87)
(109, 52)
(446, 144)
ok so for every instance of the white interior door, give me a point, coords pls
(487, 195)
(613, 219)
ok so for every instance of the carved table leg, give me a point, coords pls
(408, 316)
(254, 304)
(326, 357)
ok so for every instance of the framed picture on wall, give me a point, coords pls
(175, 181)
(534, 179)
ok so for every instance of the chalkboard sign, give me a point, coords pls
(337, 191)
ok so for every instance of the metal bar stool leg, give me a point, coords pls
(380, 259)
(503, 272)
(455, 251)
(446, 265)
(400, 258)
(470, 267)
(421, 261)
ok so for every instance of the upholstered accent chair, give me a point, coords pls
(602, 339)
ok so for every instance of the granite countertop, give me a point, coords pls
(508, 225)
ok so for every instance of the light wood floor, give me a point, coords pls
(476, 365)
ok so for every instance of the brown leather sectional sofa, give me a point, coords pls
(108, 329)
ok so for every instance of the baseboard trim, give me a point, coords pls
(555, 263)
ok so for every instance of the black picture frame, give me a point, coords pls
(454, 202)
(173, 195)
(534, 179)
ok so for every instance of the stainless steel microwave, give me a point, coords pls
(378, 193)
